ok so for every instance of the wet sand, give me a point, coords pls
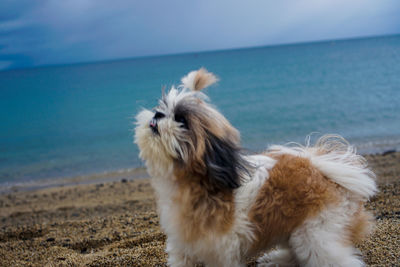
(116, 224)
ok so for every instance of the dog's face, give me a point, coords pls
(186, 132)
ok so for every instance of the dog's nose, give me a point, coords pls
(153, 123)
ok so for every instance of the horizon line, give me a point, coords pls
(202, 52)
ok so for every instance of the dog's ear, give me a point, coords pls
(224, 163)
(199, 79)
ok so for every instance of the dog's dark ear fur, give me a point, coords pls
(225, 164)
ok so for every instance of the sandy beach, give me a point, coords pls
(115, 223)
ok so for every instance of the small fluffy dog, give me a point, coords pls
(219, 206)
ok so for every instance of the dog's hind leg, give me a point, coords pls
(323, 240)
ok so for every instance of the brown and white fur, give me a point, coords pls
(219, 206)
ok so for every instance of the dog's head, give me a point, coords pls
(185, 132)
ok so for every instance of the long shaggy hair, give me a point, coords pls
(219, 206)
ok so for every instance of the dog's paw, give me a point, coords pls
(275, 258)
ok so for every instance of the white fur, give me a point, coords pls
(318, 241)
(282, 257)
(188, 80)
(160, 163)
(175, 95)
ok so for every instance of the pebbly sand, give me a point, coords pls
(116, 224)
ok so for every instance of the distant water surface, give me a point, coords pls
(74, 120)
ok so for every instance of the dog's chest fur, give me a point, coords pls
(196, 210)
(194, 215)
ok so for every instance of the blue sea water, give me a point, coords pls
(61, 121)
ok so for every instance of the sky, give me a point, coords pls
(47, 32)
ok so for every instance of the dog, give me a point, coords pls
(301, 205)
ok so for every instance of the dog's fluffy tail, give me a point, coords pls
(338, 161)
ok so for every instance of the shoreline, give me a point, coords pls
(139, 172)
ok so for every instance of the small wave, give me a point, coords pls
(377, 145)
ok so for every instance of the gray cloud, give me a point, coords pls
(44, 32)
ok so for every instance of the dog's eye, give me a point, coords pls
(159, 115)
(182, 120)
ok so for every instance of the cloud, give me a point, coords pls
(36, 33)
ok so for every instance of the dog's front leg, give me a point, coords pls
(225, 258)
(177, 257)
(180, 260)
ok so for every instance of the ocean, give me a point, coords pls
(65, 121)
